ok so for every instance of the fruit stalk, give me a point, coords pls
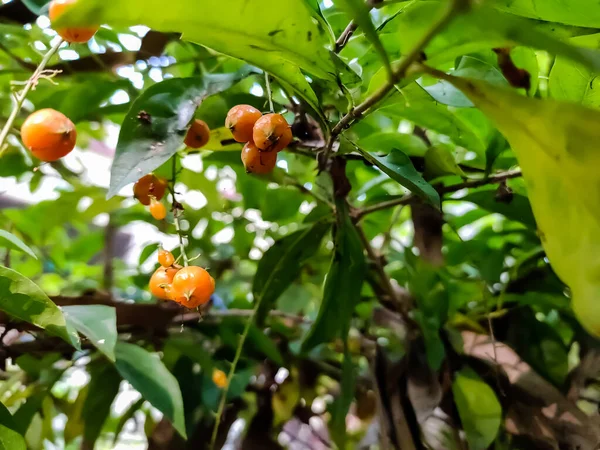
(269, 93)
(22, 95)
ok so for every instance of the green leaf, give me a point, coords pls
(385, 142)
(283, 37)
(399, 167)
(22, 299)
(556, 145)
(478, 408)
(102, 390)
(144, 145)
(9, 438)
(149, 376)
(439, 161)
(415, 104)
(282, 263)
(341, 292)
(37, 7)
(358, 10)
(10, 241)
(573, 82)
(96, 322)
(518, 209)
(469, 67)
(583, 13)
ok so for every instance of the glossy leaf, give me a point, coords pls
(146, 143)
(555, 143)
(148, 375)
(478, 408)
(281, 264)
(399, 167)
(98, 323)
(342, 287)
(10, 241)
(23, 300)
(278, 36)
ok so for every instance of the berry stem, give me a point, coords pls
(176, 212)
(236, 358)
(269, 93)
(20, 96)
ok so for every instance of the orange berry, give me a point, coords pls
(160, 282)
(157, 209)
(240, 121)
(149, 186)
(165, 258)
(78, 35)
(49, 134)
(192, 287)
(219, 378)
(271, 133)
(198, 135)
(256, 161)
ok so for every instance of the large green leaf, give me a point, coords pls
(342, 286)
(583, 13)
(573, 82)
(481, 28)
(469, 67)
(281, 265)
(149, 376)
(399, 167)
(147, 143)
(279, 36)
(9, 438)
(478, 408)
(415, 104)
(10, 241)
(518, 209)
(98, 323)
(556, 145)
(102, 390)
(24, 300)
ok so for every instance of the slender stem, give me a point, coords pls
(269, 93)
(344, 38)
(238, 354)
(176, 212)
(20, 97)
(492, 179)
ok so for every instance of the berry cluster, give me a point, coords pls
(264, 136)
(190, 286)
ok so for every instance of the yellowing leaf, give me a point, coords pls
(556, 144)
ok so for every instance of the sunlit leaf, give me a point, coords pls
(98, 323)
(23, 300)
(478, 408)
(148, 375)
(10, 241)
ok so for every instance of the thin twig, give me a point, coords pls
(344, 38)
(20, 97)
(176, 212)
(398, 73)
(269, 93)
(492, 179)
